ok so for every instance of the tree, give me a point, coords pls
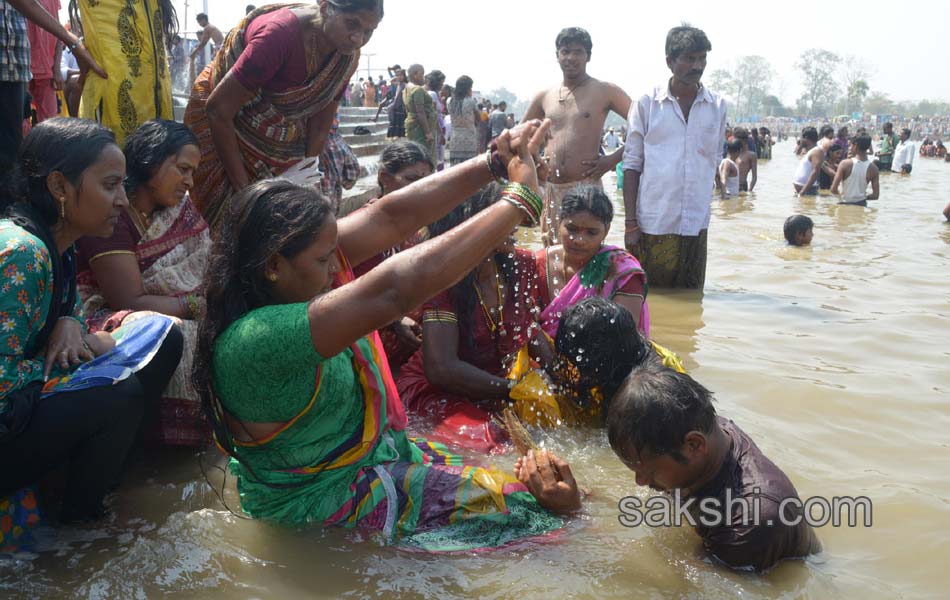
(720, 81)
(877, 103)
(818, 67)
(752, 78)
(857, 91)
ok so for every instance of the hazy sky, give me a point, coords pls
(510, 43)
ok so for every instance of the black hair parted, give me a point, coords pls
(399, 155)
(685, 39)
(654, 410)
(574, 35)
(61, 144)
(587, 198)
(149, 146)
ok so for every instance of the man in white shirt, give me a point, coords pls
(669, 162)
(611, 141)
(904, 154)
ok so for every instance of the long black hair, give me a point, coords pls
(148, 148)
(463, 86)
(68, 147)
(464, 297)
(269, 217)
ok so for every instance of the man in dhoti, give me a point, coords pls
(669, 164)
(578, 107)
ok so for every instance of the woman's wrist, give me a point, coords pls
(526, 199)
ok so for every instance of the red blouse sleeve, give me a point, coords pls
(125, 237)
(269, 42)
(440, 309)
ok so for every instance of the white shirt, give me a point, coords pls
(904, 154)
(611, 141)
(677, 159)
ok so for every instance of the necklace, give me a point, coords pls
(570, 91)
(493, 314)
(140, 217)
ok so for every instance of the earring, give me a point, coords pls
(62, 207)
(272, 277)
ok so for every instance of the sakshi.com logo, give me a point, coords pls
(672, 510)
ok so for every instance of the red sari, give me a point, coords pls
(467, 422)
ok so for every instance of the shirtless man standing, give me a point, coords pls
(578, 107)
(210, 32)
(747, 162)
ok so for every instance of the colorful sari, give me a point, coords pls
(172, 255)
(272, 129)
(455, 419)
(126, 39)
(605, 276)
(341, 457)
(414, 95)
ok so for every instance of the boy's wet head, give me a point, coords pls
(798, 230)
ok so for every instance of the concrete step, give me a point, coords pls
(346, 128)
(372, 138)
(362, 192)
(358, 111)
(367, 149)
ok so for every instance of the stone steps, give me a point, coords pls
(367, 148)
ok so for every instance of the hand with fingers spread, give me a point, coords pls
(66, 346)
(550, 481)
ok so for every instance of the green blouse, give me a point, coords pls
(266, 370)
(26, 289)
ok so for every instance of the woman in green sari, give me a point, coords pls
(297, 387)
(422, 119)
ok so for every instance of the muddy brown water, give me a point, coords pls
(834, 358)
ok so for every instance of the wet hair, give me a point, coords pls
(599, 338)
(201, 17)
(842, 132)
(65, 145)
(587, 198)
(734, 147)
(59, 145)
(810, 133)
(464, 297)
(685, 39)
(655, 409)
(740, 133)
(434, 80)
(149, 146)
(463, 85)
(862, 142)
(834, 148)
(169, 18)
(826, 131)
(399, 155)
(574, 35)
(796, 225)
(269, 217)
(352, 6)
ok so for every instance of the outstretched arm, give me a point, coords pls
(34, 11)
(403, 282)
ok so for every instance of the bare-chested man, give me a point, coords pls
(209, 33)
(748, 161)
(578, 107)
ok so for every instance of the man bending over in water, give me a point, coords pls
(806, 177)
(578, 107)
(663, 426)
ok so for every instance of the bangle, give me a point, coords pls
(526, 199)
(496, 166)
(191, 306)
(79, 42)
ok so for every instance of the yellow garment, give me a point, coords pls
(126, 39)
(535, 404)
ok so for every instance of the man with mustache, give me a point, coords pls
(578, 107)
(670, 165)
(663, 426)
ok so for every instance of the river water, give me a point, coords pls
(833, 358)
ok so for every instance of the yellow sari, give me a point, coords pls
(126, 39)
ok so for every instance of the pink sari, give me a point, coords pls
(607, 273)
